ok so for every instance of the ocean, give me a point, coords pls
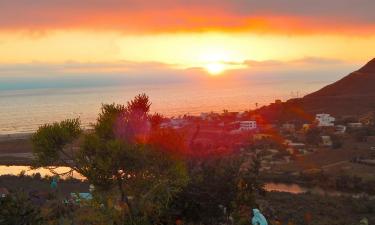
(23, 111)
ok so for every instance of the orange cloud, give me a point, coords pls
(334, 16)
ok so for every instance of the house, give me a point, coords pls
(248, 125)
(243, 126)
(324, 120)
(326, 141)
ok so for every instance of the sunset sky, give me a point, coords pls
(44, 37)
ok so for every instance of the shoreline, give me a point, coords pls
(15, 136)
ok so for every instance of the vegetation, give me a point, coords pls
(312, 209)
(313, 136)
(123, 156)
(16, 209)
(142, 173)
(342, 182)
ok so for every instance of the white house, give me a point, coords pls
(325, 120)
(248, 125)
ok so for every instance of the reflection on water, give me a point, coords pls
(297, 189)
(290, 188)
(16, 170)
(277, 187)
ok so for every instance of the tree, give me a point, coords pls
(123, 152)
(336, 141)
(212, 184)
(248, 185)
(313, 136)
(17, 209)
(219, 187)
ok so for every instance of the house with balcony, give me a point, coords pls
(324, 120)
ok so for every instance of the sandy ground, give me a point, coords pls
(15, 151)
(15, 146)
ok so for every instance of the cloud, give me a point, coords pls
(74, 74)
(144, 16)
(306, 61)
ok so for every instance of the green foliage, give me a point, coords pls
(212, 184)
(126, 153)
(219, 186)
(361, 134)
(50, 140)
(107, 118)
(336, 141)
(17, 209)
(318, 209)
(313, 136)
(248, 184)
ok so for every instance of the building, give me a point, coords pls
(324, 120)
(248, 125)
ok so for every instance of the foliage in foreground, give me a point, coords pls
(16, 209)
(141, 172)
(125, 154)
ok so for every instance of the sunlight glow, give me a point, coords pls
(215, 68)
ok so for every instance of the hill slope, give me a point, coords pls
(358, 83)
(352, 95)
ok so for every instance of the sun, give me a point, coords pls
(215, 68)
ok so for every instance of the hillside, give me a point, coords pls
(352, 95)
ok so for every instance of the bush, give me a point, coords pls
(17, 209)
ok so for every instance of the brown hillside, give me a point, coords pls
(352, 95)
